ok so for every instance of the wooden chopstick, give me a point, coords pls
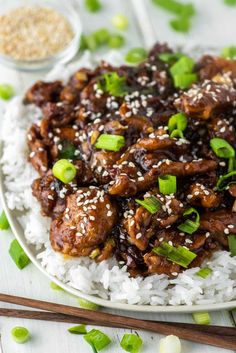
(56, 317)
(184, 331)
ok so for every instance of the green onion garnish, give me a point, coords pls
(184, 81)
(93, 5)
(170, 57)
(20, 334)
(110, 142)
(190, 226)
(170, 344)
(176, 7)
(229, 52)
(222, 148)
(78, 330)
(90, 42)
(112, 83)
(152, 204)
(177, 121)
(97, 339)
(101, 36)
(18, 255)
(4, 224)
(95, 253)
(231, 164)
(230, 2)
(67, 151)
(116, 41)
(120, 21)
(225, 180)
(178, 255)
(167, 184)
(136, 55)
(177, 134)
(232, 244)
(181, 24)
(184, 65)
(202, 318)
(54, 286)
(204, 272)
(64, 171)
(6, 91)
(87, 305)
(131, 343)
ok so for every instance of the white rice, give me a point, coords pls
(105, 279)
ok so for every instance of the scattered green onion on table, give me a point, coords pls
(6, 91)
(116, 41)
(120, 21)
(97, 339)
(78, 330)
(93, 5)
(18, 255)
(131, 343)
(85, 304)
(4, 224)
(229, 52)
(20, 334)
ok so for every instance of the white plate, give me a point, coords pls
(32, 253)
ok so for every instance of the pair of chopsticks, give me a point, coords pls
(224, 337)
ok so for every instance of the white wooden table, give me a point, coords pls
(147, 24)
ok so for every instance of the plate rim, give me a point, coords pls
(18, 232)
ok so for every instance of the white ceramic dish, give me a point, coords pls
(32, 253)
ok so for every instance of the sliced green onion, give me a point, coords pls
(202, 318)
(178, 255)
(232, 244)
(184, 81)
(78, 330)
(231, 164)
(67, 151)
(136, 55)
(204, 272)
(6, 91)
(229, 52)
(152, 204)
(170, 57)
(170, 344)
(131, 343)
(110, 142)
(95, 253)
(54, 286)
(93, 5)
(222, 148)
(4, 224)
(116, 41)
(87, 305)
(176, 7)
(18, 255)
(181, 24)
(64, 171)
(190, 226)
(112, 83)
(230, 2)
(177, 134)
(91, 42)
(20, 334)
(177, 121)
(184, 65)
(167, 184)
(98, 339)
(101, 36)
(120, 21)
(225, 180)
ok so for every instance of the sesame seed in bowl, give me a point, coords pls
(35, 37)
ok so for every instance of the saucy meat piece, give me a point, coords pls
(206, 99)
(85, 224)
(43, 92)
